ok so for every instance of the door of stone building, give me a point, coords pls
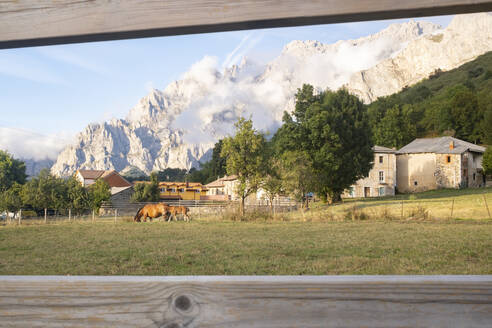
(367, 192)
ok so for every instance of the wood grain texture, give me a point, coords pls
(323, 301)
(43, 22)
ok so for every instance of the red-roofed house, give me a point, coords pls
(115, 181)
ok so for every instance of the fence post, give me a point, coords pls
(93, 217)
(20, 216)
(487, 206)
(115, 214)
(452, 208)
(45, 215)
(402, 209)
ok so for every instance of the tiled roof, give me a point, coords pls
(181, 184)
(219, 183)
(440, 146)
(381, 149)
(91, 174)
(115, 180)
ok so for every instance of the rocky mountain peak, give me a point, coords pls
(177, 127)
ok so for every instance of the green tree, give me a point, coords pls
(78, 196)
(147, 191)
(487, 127)
(271, 181)
(39, 192)
(464, 113)
(245, 157)
(396, 128)
(332, 129)
(99, 192)
(487, 161)
(10, 199)
(298, 175)
(11, 171)
(152, 189)
(170, 174)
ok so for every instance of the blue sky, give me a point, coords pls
(58, 90)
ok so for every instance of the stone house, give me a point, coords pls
(222, 189)
(434, 163)
(381, 180)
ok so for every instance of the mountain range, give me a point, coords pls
(177, 127)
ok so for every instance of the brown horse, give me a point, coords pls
(173, 210)
(151, 211)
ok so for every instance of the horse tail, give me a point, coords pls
(138, 215)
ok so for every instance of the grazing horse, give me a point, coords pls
(173, 210)
(151, 211)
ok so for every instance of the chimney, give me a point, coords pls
(451, 145)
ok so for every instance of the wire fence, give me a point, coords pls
(475, 206)
(122, 212)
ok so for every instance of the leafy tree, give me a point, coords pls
(39, 191)
(99, 192)
(487, 161)
(298, 175)
(271, 182)
(78, 196)
(10, 199)
(464, 113)
(147, 192)
(244, 154)
(138, 192)
(396, 128)
(487, 127)
(217, 165)
(332, 129)
(170, 174)
(11, 171)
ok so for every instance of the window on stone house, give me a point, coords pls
(381, 191)
(415, 183)
(380, 159)
(381, 176)
(448, 159)
(473, 176)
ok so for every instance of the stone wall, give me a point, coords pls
(448, 171)
(388, 167)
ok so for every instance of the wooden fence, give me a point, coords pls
(246, 301)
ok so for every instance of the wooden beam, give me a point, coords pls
(26, 23)
(258, 301)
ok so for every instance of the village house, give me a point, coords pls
(182, 190)
(223, 188)
(434, 163)
(121, 189)
(381, 180)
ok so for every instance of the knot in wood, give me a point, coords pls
(182, 303)
(172, 325)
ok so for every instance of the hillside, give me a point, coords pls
(457, 102)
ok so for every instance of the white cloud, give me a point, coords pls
(219, 96)
(31, 145)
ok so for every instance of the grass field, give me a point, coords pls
(249, 248)
(357, 237)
